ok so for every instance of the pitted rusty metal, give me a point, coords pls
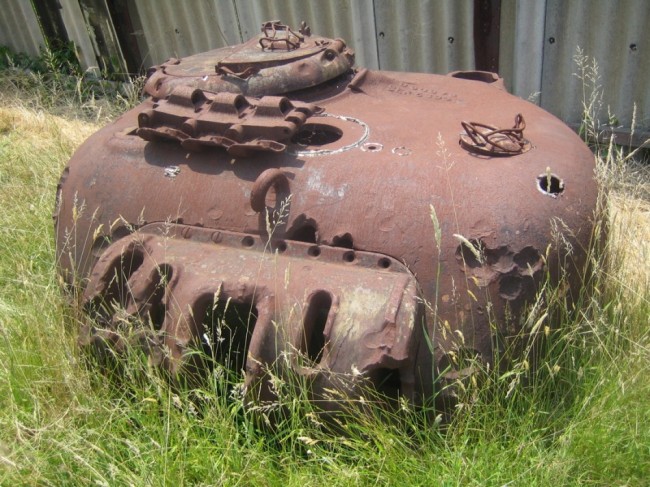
(321, 260)
(277, 61)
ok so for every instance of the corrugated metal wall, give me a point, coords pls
(429, 36)
(352, 21)
(78, 32)
(19, 27)
(169, 28)
(522, 46)
(615, 34)
(537, 42)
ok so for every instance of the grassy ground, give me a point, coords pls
(580, 419)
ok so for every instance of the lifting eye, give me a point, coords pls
(269, 178)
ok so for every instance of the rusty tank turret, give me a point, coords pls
(268, 208)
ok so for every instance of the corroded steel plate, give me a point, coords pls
(317, 228)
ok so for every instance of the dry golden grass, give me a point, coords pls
(630, 236)
(40, 128)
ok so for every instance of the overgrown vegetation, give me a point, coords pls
(55, 82)
(581, 417)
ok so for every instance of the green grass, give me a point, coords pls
(581, 418)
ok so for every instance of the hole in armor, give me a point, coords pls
(467, 255)
(314, 323)
(304, 233)
(229, 328)
(550, 184)
(157, 309)
(344, 241)
(119, 273)
(386, 381)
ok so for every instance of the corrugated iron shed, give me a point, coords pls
(19, 27)
(615, 35)
(536, 41)
(352, 21)
(425, 36)
(169, 28)
(78, 33)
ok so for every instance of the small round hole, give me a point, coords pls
(285, 106)
(198, 97)
(240, 103)
(384, 263)
(281, 246)
(247, 241)
(314, 251)
(372, 147)
(349, 256)
(550, 184)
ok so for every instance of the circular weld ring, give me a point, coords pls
(270, 177)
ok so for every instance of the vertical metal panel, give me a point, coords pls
(126, 22)
(104, 38)
(615, 35)
(435, 36)
(521, 46)
(51, 23)
(75, 25)
(19, 27)
(174, 29)
(487, 30)
(349, 20)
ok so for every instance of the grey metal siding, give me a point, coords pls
(174, 29)
(425, 36)
(615, 35)
(538, 39)
(349, 20)
(19, 27)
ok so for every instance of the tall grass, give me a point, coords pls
(580, 417)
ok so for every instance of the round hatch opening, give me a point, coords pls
(317, 134)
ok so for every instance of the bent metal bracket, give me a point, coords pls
(268, 209)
